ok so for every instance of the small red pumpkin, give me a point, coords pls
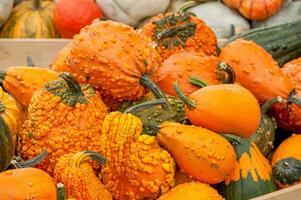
(72, 15)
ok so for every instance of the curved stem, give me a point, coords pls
(185, 99)
(2, 107)
(30, 163)
(225, 68)
(71, 82)
(155, 89)
(267, 105)
(186, 6)
(198, 82)
(60, 189)
(36, 4)
(145, 105)
(96, 156)
(292, 98)
(29, 61)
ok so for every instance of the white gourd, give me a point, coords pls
(6, 7)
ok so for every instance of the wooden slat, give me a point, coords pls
(42, 51)
(291, 193)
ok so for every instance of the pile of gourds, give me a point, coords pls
(65, 18)
(163, 113)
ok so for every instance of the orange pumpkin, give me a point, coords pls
(255, 9)
(26, 183)
(225, 108)
(173, 32)
(180, 66)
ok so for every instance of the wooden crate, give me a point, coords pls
(43, 51)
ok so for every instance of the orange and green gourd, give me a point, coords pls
(173, 32)
(114, 59)
(252, 170)
(286, 162)
(63, 117)
(73, 171)
(7, 146)
(201, 154)
(22, 81)
(137, 167)
(192, 191)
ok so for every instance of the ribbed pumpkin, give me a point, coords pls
(7, 146)
(173, 32)
(255, 9)
(224, 108)
(26, 183)
(192, 191)
(22, 81)
(137, 167)
(31, 19)
(10, 113)
(200, 153)
(180, 66)
(286, 162)
(113, 58)
(63, 117)
(252, 176)
(77, 175)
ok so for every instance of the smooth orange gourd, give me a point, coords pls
(26, 183)
(255, 9)
(200, 153)
(225, 108)
(192, 191)
(180, 66)
(22, 81)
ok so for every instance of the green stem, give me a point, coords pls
(61, 195)
(30, 163)
(96, 156)
(198, 82)
(145, 105)
(155, 89)
(36, 4)
(185, 6)
(29, 61)
(292, 98)
(267, 105)
(183, 97)
(71, 82)
(225, 68)
(2, 107)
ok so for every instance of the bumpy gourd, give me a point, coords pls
(173, 32)
(200, 153)
(77, 175)
(137, 167)
(113, 58)
(252, 170)
(192, 191)
(22, 81)
(63, 117)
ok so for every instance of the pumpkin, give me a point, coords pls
(137, 167)
(290, 12)
(30, 19)
(22, 81)
(173, 32)
(10, 113)
(180, 66)
(113, 58)
(6, 7)
(256, 70)
(152, 114)
(255, 9)
(224, 108)
(286, 162)
(265, 134)
(224, 21)
(200, 153)
(63, 117)
(192, 191)
(79, 178)
(131, 12)
(7, 146)
(288, 115)
(26, 183)
(71, 16)
(252, 176)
